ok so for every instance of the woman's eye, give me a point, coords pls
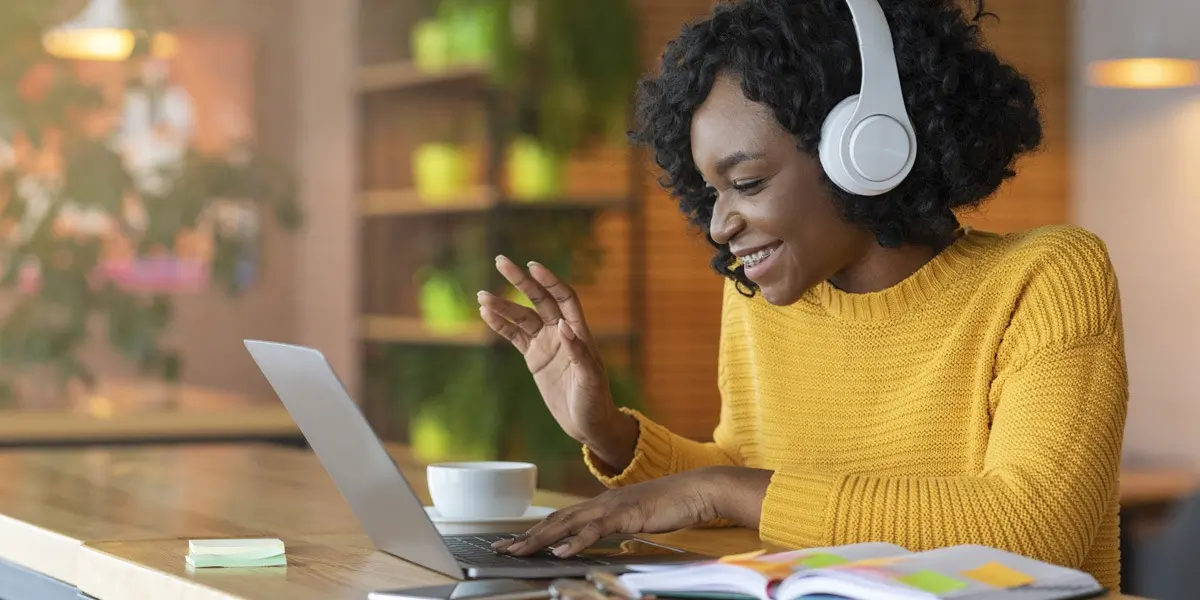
(747, 186)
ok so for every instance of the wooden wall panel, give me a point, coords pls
(683, 296)
(1035, 36)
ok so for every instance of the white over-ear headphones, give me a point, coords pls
(868, 145)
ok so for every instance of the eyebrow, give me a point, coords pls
(735, 159)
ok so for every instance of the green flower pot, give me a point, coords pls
(444, 308)
(440, 171)
(472, 30)
(433, 439)
(534, 172)
(431, 45)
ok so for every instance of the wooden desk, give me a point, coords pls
(150, 411)
(1147, 492)
(115, 522)
(1143, 486)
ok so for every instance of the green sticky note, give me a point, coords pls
(204, 562)
(822, 560)
(932, 582)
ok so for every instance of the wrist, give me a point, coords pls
(615, 442)
(737, 493)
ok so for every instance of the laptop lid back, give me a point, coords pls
(348, 449)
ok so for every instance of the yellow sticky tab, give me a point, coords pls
(878, 562)
(998, 575)
(732, 558)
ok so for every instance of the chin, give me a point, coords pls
(780, 294)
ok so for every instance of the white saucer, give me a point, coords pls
(448, 526)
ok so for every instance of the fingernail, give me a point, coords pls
(534, 263)
(483, 294)
(516, 547)
(561, 551)
(566, 330)
(500, 257)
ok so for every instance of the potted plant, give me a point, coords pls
(571, 66)
(88, 224)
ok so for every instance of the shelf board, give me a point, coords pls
(406, 75)
(407, 202)
(387, 328)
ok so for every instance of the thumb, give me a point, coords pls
(578, 352)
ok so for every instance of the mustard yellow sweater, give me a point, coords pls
(982, 400)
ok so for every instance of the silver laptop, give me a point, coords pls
(383, 501)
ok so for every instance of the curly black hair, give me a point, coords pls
(973, 113)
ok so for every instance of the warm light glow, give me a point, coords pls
(1145, 73)
(89, 44)
(100, 407)
(164, 45)
(102, 31)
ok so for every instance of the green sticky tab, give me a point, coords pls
(932, 582)
(206, 562)
(822, 560)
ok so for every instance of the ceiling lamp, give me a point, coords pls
(1144, 73)
(1143, 45)
(102, 31)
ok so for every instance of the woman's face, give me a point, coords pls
(773, 207)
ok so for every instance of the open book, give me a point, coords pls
(868, 572)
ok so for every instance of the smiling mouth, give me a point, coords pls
(753, 260)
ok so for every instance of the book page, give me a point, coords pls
(752, 575)
(961, 572)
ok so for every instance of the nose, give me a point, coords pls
(726, 222)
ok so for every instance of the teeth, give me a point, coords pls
(752, 260)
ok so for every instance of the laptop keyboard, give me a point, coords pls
(476, 550)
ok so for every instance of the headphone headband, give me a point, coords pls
(880, 79)
(868, 145)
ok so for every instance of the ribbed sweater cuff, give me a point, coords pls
(798, 509)
(652, 458)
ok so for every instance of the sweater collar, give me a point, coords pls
(927, 282)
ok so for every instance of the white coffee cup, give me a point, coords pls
(481, 490)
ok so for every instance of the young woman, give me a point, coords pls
(885, 374)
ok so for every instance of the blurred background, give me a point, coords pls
(177, 175)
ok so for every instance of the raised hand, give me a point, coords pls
(562, 356)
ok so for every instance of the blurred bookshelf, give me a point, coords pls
(406, 75)
(409, 202)
(414, 330)
(589, 232)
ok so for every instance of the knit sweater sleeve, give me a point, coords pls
(660, 452)
(1048, 475)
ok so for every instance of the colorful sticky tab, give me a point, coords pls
(932, 582)
(821, 560)
(878, 562)
(734, 558)
(998, 575)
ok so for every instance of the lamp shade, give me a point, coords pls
(1144, 73)
(101, 31)
(1142, 45)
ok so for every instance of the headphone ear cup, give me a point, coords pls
(832, 134)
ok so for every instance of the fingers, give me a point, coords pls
(579, 354)
(588, 535)
(564, 295)
(502, 545)
(507, 329)
(523, 317)
(543, 302)
(557, 526)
